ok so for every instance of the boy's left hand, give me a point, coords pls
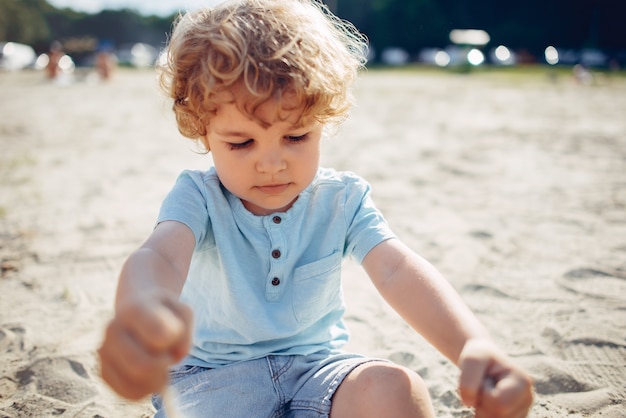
(492, 384)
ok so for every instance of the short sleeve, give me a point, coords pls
(186, 203)
(366, 225)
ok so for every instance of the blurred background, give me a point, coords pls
(444, 33)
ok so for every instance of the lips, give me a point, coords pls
(273, 188)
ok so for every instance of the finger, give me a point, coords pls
(473, 372)
(158, 327)
(125, 386)
(138, 360)
(181, 347)
(125, 361)
(118, 381)
(511, 396)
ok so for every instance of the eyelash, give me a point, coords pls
(299, 138)
(240, 145)
(246, 144)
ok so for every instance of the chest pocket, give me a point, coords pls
(317, 288)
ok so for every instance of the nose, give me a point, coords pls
(271, 161)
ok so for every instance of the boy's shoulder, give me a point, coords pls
(330, 184)
(201, 178)
(330, 175)
(202, 175)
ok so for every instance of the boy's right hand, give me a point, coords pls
(146, 336)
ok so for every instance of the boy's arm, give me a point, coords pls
(162, 263)
(489, 382)
(423, 297)
(151, 329)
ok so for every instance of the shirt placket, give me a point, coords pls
(275, 280)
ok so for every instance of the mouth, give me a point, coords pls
(273, 188)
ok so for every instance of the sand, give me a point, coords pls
(513, 185)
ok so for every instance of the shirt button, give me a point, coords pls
(276, 219)
(276, 253)
(275, 281)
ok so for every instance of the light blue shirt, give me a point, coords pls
(262, 285)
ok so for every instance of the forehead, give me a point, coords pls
(285, 107)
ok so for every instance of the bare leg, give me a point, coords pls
(380, 389)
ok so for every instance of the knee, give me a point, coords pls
(390, 380)
(388, 389)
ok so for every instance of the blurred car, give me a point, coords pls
(15, 56)
(593, 58)
(587, 57)
(394, 56)
(452, 56)
(434, 56)
(501, 55)
(137, 55)
(564, 56)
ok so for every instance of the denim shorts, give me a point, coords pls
(269, 387)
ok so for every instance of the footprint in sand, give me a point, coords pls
(11, 339)
(486, 290)
(598, 283)
(11, 343)
(553, 377)
(601, 363)
(60, 378)
(583, 365)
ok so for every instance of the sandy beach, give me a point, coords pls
(512, 184)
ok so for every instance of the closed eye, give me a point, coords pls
(239, 145)
(297, 138)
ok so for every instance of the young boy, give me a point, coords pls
(237, 291)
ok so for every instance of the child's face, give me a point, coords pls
(265, 165)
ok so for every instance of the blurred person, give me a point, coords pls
(105, 61)
(55, 54)
(235, 298)
(582, 75)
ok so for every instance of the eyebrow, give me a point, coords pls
(242, 134)
(233, 134)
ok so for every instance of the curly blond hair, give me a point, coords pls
(272, 47)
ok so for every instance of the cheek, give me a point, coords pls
(308, 163)
(314, 154)
(228, 170)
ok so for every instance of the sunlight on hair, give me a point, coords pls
(270, 47)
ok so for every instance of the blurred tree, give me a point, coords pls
(120, 26)
(388, 23)
(22, 21)
(531, 25)
(411, 25)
